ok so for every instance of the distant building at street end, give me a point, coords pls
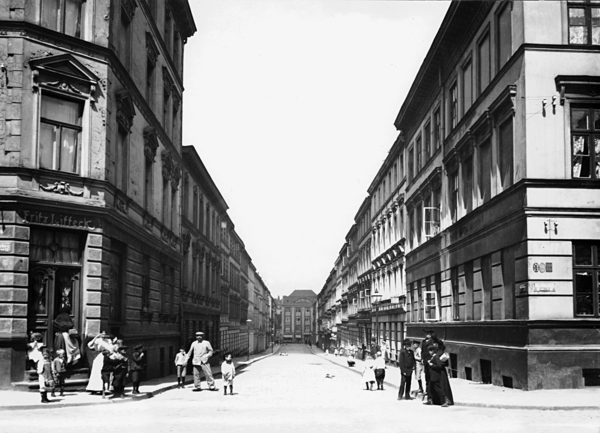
(298, 316)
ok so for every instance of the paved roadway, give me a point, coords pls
(292, 394)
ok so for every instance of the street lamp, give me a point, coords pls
(248, 325)
(375, 298)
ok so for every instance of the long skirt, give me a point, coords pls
(95, 381)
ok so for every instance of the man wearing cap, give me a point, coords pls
(406, 363)
(200, 352)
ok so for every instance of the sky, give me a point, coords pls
(290, 105)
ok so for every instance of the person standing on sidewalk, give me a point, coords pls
(406, 363)
(441, 393)
(181, 361)
(59, 372)
(425, 356)
(418, 366)
(200, 352)
(138, 362)
(45, 378)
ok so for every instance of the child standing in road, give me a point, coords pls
(228, 373)
(181, 361)
(368, 374)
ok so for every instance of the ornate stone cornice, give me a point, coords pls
(150, 142)
(129, 7)
(125, 110)
(167, 80)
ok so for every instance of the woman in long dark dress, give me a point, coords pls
(441, 393)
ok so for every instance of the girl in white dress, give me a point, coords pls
(99, 343)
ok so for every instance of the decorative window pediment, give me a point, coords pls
(151, 48)
(171, 169)
(64, 73)
(577, 86)
(150, 142)
(125, 110)
(129, 7)
(167, 80)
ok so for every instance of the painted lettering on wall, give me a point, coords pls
(60, 220)
(542, 267)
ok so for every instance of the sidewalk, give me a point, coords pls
(17, 400)
(474, 394)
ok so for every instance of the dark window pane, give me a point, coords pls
(584, 292)
(583, 254)
(48, 139)
(579, 118)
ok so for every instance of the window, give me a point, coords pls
(584, 22)
(149, 82)
(64, 16)
(427, 151)
(504, 41)
(124, 39)
(505, 150)
(411, 167)
(148, 184)
(166, 105)
(121, 159)
(163, 288)
(401, 165)
(145, 283)
(419, 154)
(419, 222)
(455, 294)
(484, 70)
(195, 207)
(453, 193)
(585, 141)
(165, 202)
(467, 176)
(467, 86)
(437, 129)
(173, 207)
(586, 278)
(411, 225)
(453, 108)
(167, 29)
(176, 42)
(485, 171)
(60, 134)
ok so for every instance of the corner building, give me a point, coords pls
(502, 192)
(90, 150)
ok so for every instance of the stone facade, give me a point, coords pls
(90, 149)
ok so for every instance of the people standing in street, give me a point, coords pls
(45, 378)
(379, 366)
(418, 366)
(138, 363)
(59, 372)
(200, 353)
(100, 343)
(406, 363)
(181, 361)
(120, 370)
(228, 373)
(441, 393)
(425, 358)
(368, 374)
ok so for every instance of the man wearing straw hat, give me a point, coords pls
(200, 352)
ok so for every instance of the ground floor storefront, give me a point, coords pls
(70, 273)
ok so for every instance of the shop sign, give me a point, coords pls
(544, 288)
(60, 220)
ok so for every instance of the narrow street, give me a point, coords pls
(292, 394)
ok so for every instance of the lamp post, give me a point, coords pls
(248, 325)
(375, 298)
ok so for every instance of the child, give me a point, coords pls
(181, 361)
(369, 373)
(228, 373)
(44, 371)
(120, 364)
(137, 366)
(379, 369)
(59, 372)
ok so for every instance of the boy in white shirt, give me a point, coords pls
(228, 373)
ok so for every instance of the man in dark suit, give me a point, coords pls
(406, 363)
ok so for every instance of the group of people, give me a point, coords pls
(111, 366)
(427, 359)
(200, 353)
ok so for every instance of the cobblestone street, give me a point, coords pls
(292, 394)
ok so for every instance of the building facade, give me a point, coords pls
(485, 212)
(90, 130)
(298, 317)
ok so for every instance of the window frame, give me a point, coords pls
(453, 104)
(61, 19)
(591, 133)
(587, 6)
(500, 61)
(594, 268)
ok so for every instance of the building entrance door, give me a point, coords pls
(53, 290)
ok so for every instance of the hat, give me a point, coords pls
(406, 341)
(199, 333)
(138, 346)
